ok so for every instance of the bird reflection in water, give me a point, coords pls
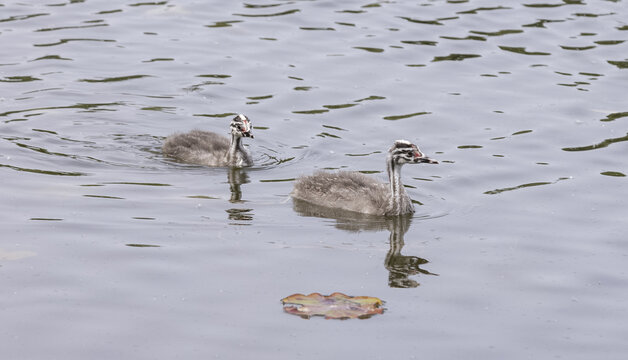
(237, 177)
(399, 266)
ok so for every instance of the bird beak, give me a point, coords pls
(246, 129)
(425, 159)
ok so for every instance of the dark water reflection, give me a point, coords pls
(402, 266)
(236, 177)
(399, 266)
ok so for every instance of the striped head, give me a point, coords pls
(405, 152)
(241, 126)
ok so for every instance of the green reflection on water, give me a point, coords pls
(51, 57)
(372, 97)
(420, 42)
(369, 49)
(522, 132)
(134, 183)
(149, 3)
(578, 48)
(599, 145)
(613, 116)
(334, 127)
(497, 33)
(523, 186)
(522, 50)
(223, 115)
(455, 57)
(475, 11)
(619, 64)
(470, 37)
(70, 27)
(65, 41)
(216, 76)
(417, 21)
(15, 79)
(399, 117)
(339, 106)
(287, 12)
(613, 173)
(277, 180)
(221, 24)
(43, 172)
(311, 112)
(317, 28)
(22, 17)
(326, 134)
(202, 197)
(114, 79)
(104, 197)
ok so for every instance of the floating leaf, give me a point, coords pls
(334, 306)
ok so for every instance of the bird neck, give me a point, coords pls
(236, 149)
(397, 192)
(399, 202)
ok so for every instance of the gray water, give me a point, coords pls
(110, 250)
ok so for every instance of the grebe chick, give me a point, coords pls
(352, 191)
(210, 149)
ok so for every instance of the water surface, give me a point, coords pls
(110, 250)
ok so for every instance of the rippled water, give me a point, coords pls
(110, 250)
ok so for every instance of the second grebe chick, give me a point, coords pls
(352, 191)
(210, 149)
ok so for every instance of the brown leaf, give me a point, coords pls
(334, 306)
